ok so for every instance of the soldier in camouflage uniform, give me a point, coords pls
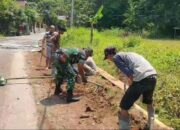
(64, 58)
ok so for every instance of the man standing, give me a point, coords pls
(64, 59)
(57, 37)
(47, 43)
(141, 80)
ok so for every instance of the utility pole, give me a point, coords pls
(72, 13)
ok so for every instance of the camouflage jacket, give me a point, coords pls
(74, 55)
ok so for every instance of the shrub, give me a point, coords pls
(132, 41)
(1, 36)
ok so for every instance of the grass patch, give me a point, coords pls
(164, 55)
(1, 36)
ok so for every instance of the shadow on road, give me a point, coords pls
(53, 100)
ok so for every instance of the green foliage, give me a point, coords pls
(94, 20)
(163, 15)
(97, 16)
(81, 38)
(32, 15)
(132, 41)
(164, 55)
(1, 36)
(12, 16)
(113, 13)
(51, 9)
(155, 17)
(48, 10)
(158, 17)
(84, 9)
(130, 16)
(8, 9)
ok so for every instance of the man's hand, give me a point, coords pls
(43, 43)
(42, 49)
(84, 80)
(81, 72)
(130, 80)
(63, 58)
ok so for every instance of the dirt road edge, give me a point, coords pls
(120, 85)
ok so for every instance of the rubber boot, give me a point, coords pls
(70, 98)
(57, 91)
(124, 124)
(150, 123)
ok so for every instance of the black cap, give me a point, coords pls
(109, 51)
(60, 28)
(58, 53)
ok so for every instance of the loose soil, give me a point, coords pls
(97, 108)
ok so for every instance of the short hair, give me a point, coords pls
(88, 51)
(52, 26)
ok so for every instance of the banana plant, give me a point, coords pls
(94, 20)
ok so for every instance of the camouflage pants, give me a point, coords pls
(65, 72)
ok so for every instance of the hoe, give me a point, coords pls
(3, 81)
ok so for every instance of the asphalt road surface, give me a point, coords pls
(17, 105)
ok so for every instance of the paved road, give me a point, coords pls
(17, 105)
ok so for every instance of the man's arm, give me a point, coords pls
(54, 36)
(81, 72)
(43, 42)
(119, 62)
(92, 68)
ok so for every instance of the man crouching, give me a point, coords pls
(64, 59)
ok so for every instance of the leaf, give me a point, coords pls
(97, 16)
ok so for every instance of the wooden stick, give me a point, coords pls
(95, 83)
(35, 77)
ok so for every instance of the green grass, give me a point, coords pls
(164, 55)
(1, 36)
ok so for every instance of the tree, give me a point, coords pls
(8, 16)
(32, 17)
(113, 13)
(50, 10)
(84, 9)
(157, 15)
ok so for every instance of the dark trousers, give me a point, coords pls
(144, 87)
